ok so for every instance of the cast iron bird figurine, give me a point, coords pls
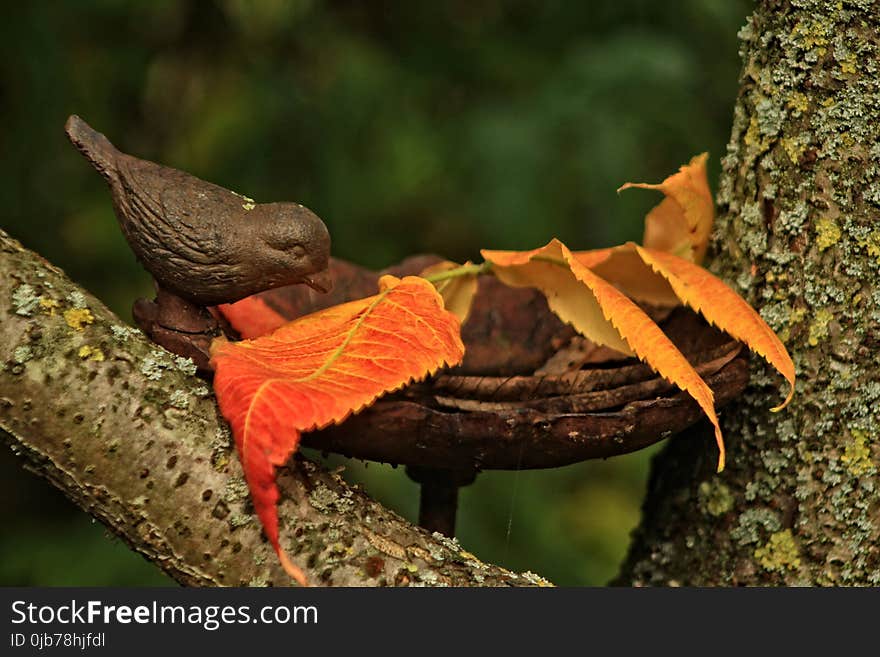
(203, 244)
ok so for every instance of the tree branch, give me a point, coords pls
(131, 435)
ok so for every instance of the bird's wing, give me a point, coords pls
(199, 212)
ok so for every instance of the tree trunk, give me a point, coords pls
(130, 434)
(799, 236)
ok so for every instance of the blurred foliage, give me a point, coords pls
(408, 127)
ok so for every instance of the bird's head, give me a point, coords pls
(294, 246)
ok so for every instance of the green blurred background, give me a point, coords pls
(408, 127)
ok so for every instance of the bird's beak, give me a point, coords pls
(321, 282)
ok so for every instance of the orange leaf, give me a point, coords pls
(664, 279)
(457, 292)
(722, 307)
(623, 267)
(682, 222)
(602, 313)
(251, 317)
(593, 257)
(319, 369)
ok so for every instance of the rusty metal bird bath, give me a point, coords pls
(494, 413)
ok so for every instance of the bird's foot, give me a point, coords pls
(179, 326)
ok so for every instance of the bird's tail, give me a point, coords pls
(91, 143)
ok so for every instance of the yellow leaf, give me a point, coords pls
(603, 314)
(458, 292)
(682, 222)
(548, 270)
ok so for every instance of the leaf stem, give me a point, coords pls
(464, 270)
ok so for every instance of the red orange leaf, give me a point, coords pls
(251, 317)
(319, 369)
(602, 313)
(682, 222)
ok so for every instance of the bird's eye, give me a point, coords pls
(297, 251)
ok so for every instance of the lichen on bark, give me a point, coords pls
(798, 235)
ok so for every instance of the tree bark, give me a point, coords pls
(131, 435)
(799, 236)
